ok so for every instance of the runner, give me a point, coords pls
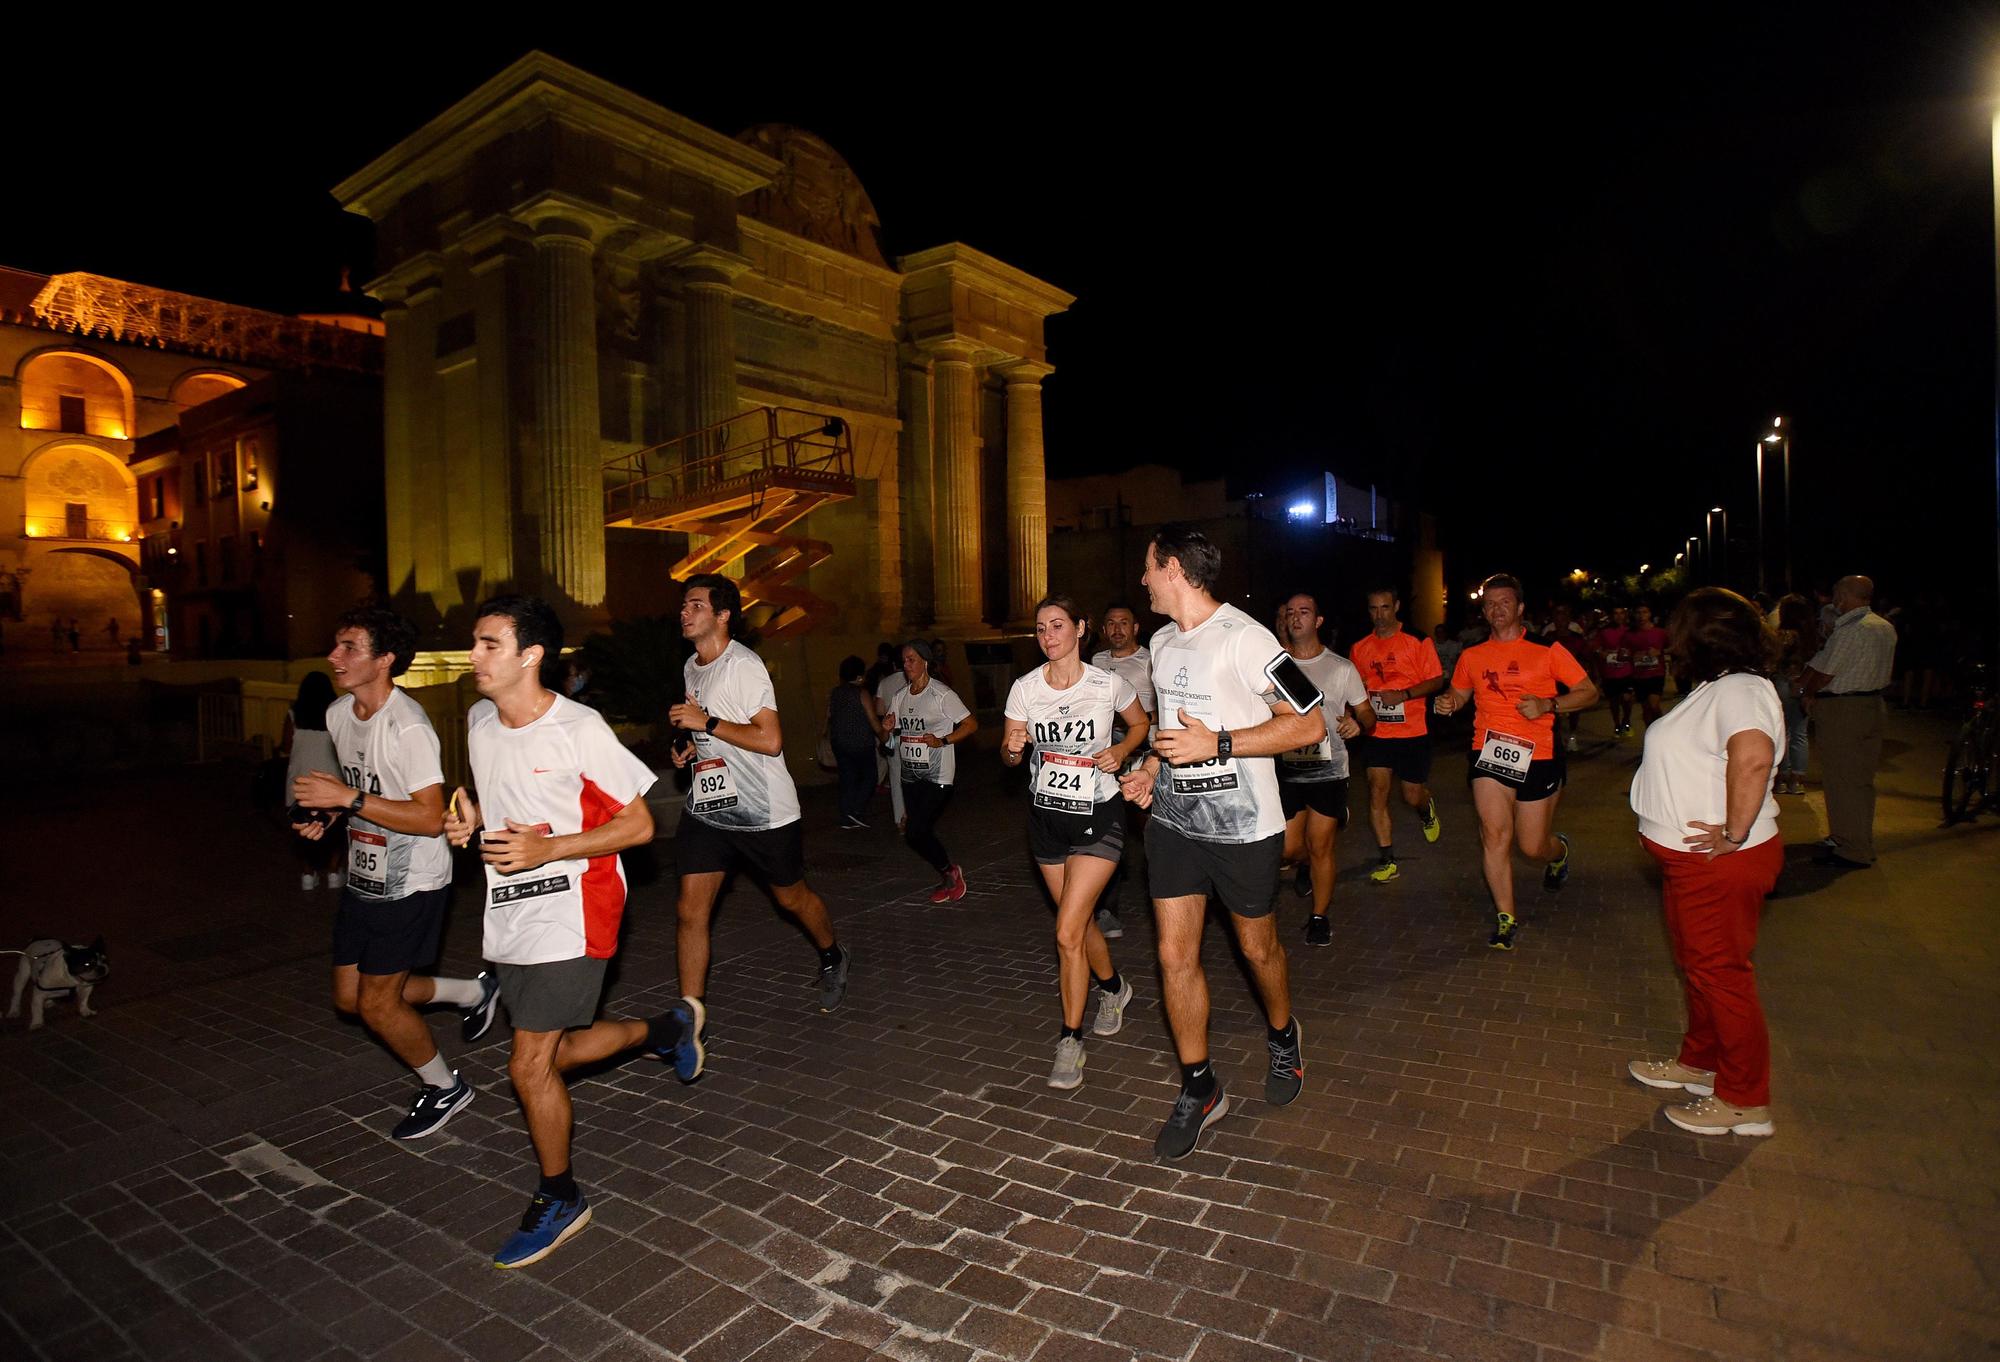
(1564, 629)
(1517, 765)
(1400, 671)
(1312, 780)
(1130, 659)
(926, 720)
(392, 908)
(1616, 665)
(1060, 717)
(559, 798)
(1648, 645)
(1217, 828)
(742, 807)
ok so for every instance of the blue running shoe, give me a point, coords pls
(686, 1053)
(545, 1228)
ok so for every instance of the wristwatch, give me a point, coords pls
(360, 798)
(709, 727)
(1224, 747)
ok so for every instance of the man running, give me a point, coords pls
(1517, 766)
(1400, 670)
(1312, 780)
(1217, 828)
(1648, 645)
(392, 908)
(560, 797)
(1128, 658)
(743, 809)
(1615, 664)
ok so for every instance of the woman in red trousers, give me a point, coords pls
(1706, 815)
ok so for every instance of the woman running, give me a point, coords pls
(1059, 715)
(925, 721)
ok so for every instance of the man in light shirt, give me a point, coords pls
(1842, 691)
(1129, 658)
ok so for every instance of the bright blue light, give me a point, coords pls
(1301, 510)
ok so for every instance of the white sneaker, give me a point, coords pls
(336, 881)
(308, 880)
(1068, 1070)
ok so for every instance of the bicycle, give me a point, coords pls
(1972, 769)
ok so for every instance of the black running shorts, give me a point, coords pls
(1544, 778)
(1243, 875)
(1055, 837)
(1655, 686)
(388, 936)
(1327, 798)
(776, 856)
(1409, 758)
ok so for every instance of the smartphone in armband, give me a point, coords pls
(1294, 687)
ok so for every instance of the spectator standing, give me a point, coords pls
(1842, 691)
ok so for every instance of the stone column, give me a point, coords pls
(709, 296)
(566, 409)
(398, 401)
(919, 489)
(1027, 490)
(955, 540)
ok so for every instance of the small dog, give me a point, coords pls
(54, 967)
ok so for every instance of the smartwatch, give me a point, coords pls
(1224, 746)
(709, 727)
(360, 798)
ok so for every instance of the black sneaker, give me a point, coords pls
(833, 980)
(477, 1020)
(1503, 933)
(1288, 1068)
(433, 1107)
(1556, 873)
(1191, 1116)
(1319, 931)
(1302, 879)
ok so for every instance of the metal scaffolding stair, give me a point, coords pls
(739, 489)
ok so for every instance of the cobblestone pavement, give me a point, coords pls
(203, 1170)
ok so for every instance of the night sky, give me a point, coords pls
(1548, 278)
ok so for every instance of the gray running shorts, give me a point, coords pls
(558, 996)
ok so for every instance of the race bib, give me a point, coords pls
(1065, 784)
(1386, 713)
(1504, 754)
(1317, 754)
(1617, 657)
(919, 759)
(367, 862)
(714, 788)
(1646, 660)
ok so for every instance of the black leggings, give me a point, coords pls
(923, 804)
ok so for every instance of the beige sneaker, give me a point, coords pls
(1671, 1073)
(1712, 1116)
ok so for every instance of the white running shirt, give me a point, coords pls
(1340, 681)
(938, 710)
(565, 773)
(1074, 725)
(734, 787)
(392, 753)
(1216, 673)
(1137, 669)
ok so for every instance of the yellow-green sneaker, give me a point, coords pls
(1431, 826)
(1503, 933)
(1384, 872)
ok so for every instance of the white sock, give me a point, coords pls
(436, 1072)
(457, 992)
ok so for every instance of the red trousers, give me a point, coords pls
(1712, 909)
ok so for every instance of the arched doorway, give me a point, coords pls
(90, 591)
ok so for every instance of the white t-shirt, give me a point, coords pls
(566, 773)
(734, 787)
(1073, 725)
(1340, 680)
(1682, 778)
(1137, 669)
(392, 753)
(1216, 674)
(938, 710)
(886, 689)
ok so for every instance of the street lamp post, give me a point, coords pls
(1722, 576)
(1758, 450)
(1783, 438)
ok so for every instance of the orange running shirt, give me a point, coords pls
(1499, 674)
(1397, 663)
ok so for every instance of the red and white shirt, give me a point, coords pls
(566, 773)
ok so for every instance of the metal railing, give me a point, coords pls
(62, 527)
(737, 453)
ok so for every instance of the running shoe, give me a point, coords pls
(475, 1021)
(1068, 1070)
(545, 1228)
(308, 880)
(433, 1107)
(336, 880)
(833, 980)
(1319, 931)
(1384, 872)
(850, 821)
(686, 1053)
(1671, 1073)
(1111, 1009)
(1288, 1068)
(1302, 879)
(1556, 873)
(1108, 924)
(1713, 1116)
(1431, 825)
(1192, 1115)
(1503, 932)
(952, 890)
